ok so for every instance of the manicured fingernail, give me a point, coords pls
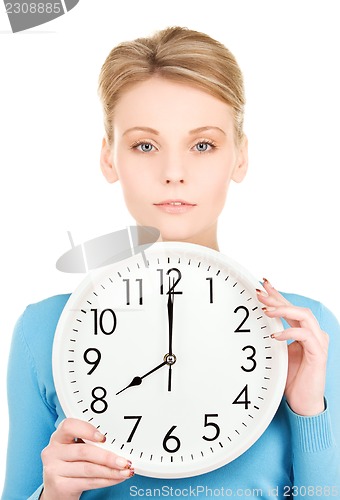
(99, 437)
(268, 309)
(260, 292)
(275, 335)
(266, 282)
(122, 462)
(127, 472)
(78, 441)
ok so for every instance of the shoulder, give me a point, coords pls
(49, 308)
(39, 320)
(32, 341)
(302, 301)
(327, 320)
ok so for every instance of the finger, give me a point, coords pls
(295, 317)
(270, 295)
(274, 299)
(273, 302)
(93, 471)
(310, 343)
(302, 335)
(94, 454)
(71, 429)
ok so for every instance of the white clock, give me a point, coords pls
(169, 355)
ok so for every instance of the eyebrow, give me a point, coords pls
(191, 132)
(141, 129)
(203, 129)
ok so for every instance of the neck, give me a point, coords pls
(207, 238)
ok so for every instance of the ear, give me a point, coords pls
(106, 163)
(241, 165)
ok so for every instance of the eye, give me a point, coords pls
(203, 146)
(145, 147)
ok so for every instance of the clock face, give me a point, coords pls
(169, 355)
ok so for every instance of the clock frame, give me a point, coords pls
(169, 354)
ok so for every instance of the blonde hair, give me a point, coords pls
(178, 54)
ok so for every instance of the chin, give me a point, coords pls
(179, 229)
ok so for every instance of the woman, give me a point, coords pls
(173, 110)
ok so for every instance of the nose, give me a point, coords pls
(173, 170)
(168, 181)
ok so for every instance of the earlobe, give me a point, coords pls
(106, 163)
(241, 166)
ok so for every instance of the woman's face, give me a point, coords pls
(174, 152)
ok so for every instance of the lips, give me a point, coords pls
(175, 203)
(175, 206)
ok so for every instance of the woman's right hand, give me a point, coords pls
(73, 467)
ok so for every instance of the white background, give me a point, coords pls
(281, 222)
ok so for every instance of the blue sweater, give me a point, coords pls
(296, 457)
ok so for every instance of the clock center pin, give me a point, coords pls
(170, 359)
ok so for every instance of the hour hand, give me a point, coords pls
(138, 380)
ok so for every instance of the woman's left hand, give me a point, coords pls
(307, 356)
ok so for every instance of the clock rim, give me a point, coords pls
(176, 472)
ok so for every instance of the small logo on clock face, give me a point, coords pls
(170, 359)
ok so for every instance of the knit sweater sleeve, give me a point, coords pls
(316, 439)
(30, 416)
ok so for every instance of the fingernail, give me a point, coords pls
(127, 472)
(268, 309)
(122, 462)
(78, 441)
(275, 335)
(266, 282)
(99, 437)
(260, 292)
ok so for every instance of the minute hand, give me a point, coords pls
(138, 380)
(170, 319)
(170, 325)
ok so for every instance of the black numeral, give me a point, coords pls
(94, 362)
(168, 438)
(211, 424)
(239, 329)
(138, 419)
(210, 289)
(251, 358)
(245, 401)
(107, 321)
(175, 281)
(98, 400)
(140, 281)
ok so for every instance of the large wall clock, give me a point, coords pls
(169, 354)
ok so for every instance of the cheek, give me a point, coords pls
(216, 182)
(136, 191)
(132, 174)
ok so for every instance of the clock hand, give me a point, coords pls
(170, 357)
(170, 306)
(138, 380)
(169, 378)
